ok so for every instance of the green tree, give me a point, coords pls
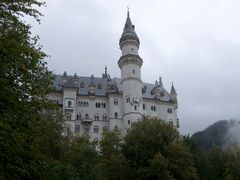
(112, 163)
(151, 143)
(232, 164)
(83, 157)
(24, 84)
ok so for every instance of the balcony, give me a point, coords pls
(86, 120)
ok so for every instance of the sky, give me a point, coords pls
(194, 43)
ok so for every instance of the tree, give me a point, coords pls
(112, 162)
(150, 144)
(24, 83)
(83, 157)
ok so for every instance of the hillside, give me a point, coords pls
(220, 134)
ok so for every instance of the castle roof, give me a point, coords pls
(82, 84)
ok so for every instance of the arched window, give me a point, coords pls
(128, 99)
(129, 122)
(96, 117)
(99, 86)
(68, 117)
(103, 105)
(104, 117)
(95, 129)
(115, 115)
(86, 129)
(105, 128)
(87, 104)
(69, 103)
(135, 107)
(144, 106)
(79, 116)
(77, 128)
(169, 110)
(82, 85)
(115, 102)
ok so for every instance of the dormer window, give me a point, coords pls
(99, 86)
(82, 85)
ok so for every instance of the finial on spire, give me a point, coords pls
(128, 11)
(160, 81)
(105, 69)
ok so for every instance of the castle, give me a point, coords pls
(92, 105)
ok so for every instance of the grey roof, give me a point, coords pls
(129, 27)
(173, 91)
(70, 82)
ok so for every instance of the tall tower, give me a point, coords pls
(130, 64)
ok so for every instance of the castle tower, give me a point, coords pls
(130, 64)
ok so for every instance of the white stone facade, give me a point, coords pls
(93, 105)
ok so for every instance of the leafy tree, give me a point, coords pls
(232, 164)
(151, 142)
(83, 157)
(24, 83)
(112, 163)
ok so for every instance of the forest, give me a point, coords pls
(32, 145)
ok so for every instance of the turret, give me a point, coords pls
(130, 64)
(173, 94)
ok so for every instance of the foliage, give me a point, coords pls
(151, 143)
(112, 162)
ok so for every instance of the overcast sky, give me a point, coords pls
(194, 43)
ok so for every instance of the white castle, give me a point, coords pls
(92, 105)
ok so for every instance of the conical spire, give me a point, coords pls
(173, 91)
(129, 27)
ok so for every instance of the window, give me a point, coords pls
(77, 128)
(153, 108)
(96, 117)
(86, 129)
(169, 110)
(105, 128)
(86, 116)
(82, 85)
(144, 106)
(115, 102)
(129, 122)
(97, 105)
(115, 115)
(104, 117)
(79, 117)
(128, 99)
(95, 141)
(69, 103)
(69, 117)
(116, 128)
(103, 105)
(99, 86)
(100, 105)
(95, 129)
(135, 107)
(133, 71)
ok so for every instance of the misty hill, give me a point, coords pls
(220, 134)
